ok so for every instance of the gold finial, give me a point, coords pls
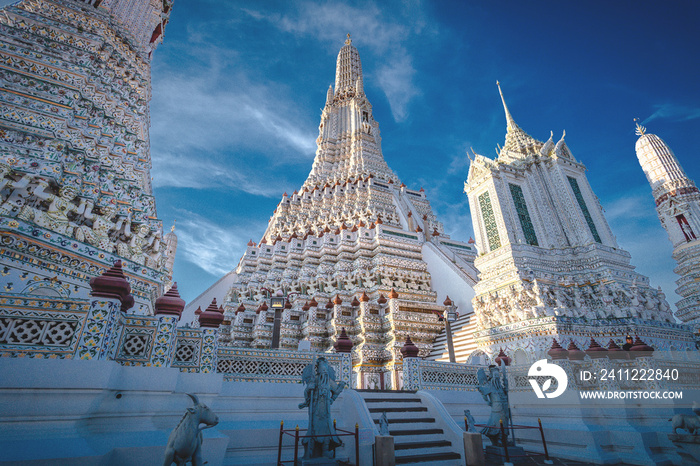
(641, 130)
(172, 228)
(348, 41)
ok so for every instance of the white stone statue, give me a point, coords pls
(56, 217)
(17, 198)
(185, 441)
(471, 422)
(137, 247)
(688, 422)
(99, 234)
(494, 393)
(383, 425)
(320, 391)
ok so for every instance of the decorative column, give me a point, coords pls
(168, 311)
(450, 315)
(389, 327)
(360, 320)
(209, 321)
(333, 327)
(111, 293)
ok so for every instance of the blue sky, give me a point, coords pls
(238, 88)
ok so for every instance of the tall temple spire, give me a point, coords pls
(348, 135)
(510, 122)
(677, 201)
(517, 140)
(348, 69)
(660, 165)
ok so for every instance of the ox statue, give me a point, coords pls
(185, 441)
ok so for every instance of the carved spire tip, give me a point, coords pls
(509, 118)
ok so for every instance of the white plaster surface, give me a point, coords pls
(600, 432)
(446, 281)
(67, 412)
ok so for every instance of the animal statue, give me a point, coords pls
(185, 441)
(689, 422)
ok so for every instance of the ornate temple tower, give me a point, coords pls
(549, 265)
(678, 207)
(76, 192)
(354, 248)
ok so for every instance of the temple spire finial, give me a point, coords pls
(509, 118)
(641, 130)
(348, 70)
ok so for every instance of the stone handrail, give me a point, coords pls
(264, 365)
(419, 374)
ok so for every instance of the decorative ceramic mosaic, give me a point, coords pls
(523, 215)
(492, 236)
(582, 203)
(253, 365)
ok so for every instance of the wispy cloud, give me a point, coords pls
(213, 248)
(211, 113)
(459, 165)
(178, 171)
(673, 112)
(632, 206)
(376, 31)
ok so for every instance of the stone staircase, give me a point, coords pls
(462, 338)
(418, 439)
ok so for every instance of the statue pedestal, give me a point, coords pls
(495, 454)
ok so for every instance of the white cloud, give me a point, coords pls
(182, 172)
(211, 247)
(211, 113)
(673, 112)
(459, 165)
(372, 30)
(396, 80)
(633, 206)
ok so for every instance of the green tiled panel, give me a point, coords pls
(521, 207)
(489, 221)
(587, 215)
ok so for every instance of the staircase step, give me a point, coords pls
(393, 400)
(398, 410)
(405, 420)
(410, 416)
(396, 433)
(429, 444)
(391, 392)
(428, 457)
